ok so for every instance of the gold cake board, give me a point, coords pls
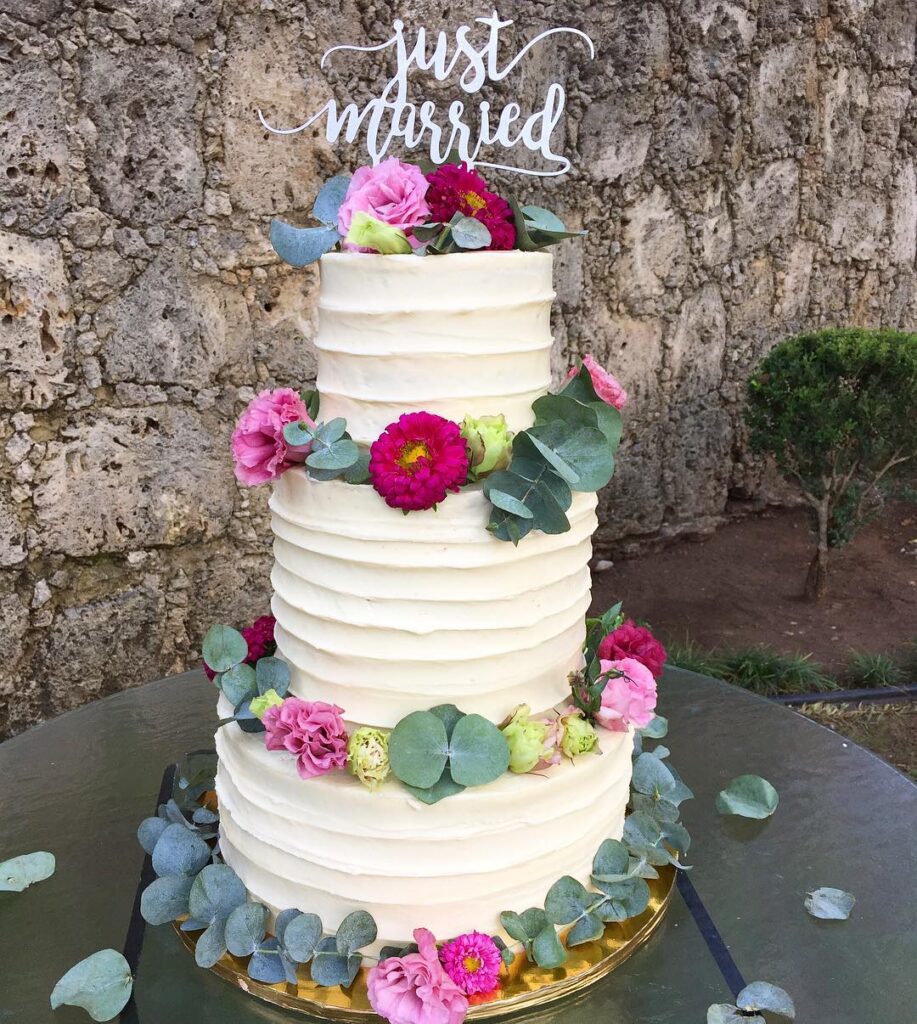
(523, 985)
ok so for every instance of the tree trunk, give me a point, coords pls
(817, 578)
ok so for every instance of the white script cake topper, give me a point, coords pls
(391, 115)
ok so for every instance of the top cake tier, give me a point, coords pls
(465, 334)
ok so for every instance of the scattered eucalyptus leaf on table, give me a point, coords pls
(726, 1013)
(762, 995)
(830, 904)
(18, 873)
(748, 796)
(101, 985)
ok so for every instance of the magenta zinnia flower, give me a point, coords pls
(472, 961)
(418, 461)
(456, 189)
(312, 731)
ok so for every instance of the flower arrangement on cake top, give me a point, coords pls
(398, 208)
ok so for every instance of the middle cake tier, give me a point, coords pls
(385, 614)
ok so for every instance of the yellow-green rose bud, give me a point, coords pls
(269, 699)
(527, 740)
(579, 736)
(367, 753)
(371, 233)
(490, 444)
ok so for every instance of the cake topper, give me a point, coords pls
(392, 116)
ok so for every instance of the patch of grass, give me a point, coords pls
(694, 658)
(874, 670)
(760, 669)
(890, 730)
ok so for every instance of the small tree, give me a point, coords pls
(837, 409)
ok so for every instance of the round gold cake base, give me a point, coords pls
(523, 985)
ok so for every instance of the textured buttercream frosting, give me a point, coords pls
(385, 614)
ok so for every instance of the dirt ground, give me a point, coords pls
(743, 586)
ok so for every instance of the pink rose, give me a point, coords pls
(628, 699)
(393, 192)
(632, 641)
(607, 387)
(415, 989)
(258, 448)
(312, 731)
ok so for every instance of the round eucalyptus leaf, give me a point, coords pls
(539, 217)
(269, 965)
(533, 921)
(448, 714)
(513, 926)
(748, 796)
(761, 995)
(547, 949)
(417, 749)
(624, 899)
(611, 858)
(830, 904)
(179, 851)
(443, 787)
(587, 929)
(726, 1013)
(301, 246)
(18, 873)
(470, 233)
(567, 900)
(676, 835)
(478, 751)
(246, 719)
(329, 199)
(245, 928)
(211, 944)
(338, 455)
(224, 647)
(216, 893)
(329, 968)
(283, 919)
(357, 930)
(580, 454)
(651, 777)
(165, 899)
(332, 431)
(272, 674)
(204, 816)
(298, 434)
(301, 936)
(101, 985)
(239, 684)
(657, 729)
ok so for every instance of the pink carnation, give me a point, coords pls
(258, 448)
(418, 460)
(392, 192)
(628, 699)
(473, 962)
(312, 731)
(415, 989)
(260, 639)
(607, 387)
(456, 189)
(632, 641)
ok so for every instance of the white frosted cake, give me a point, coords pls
(383, 613)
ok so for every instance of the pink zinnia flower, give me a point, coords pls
(392, 191)
(260, 639)
(632, 641)
(473, 962)
(258, 447)
(312, 731)
(418, 461)
(607, 387)
(415, 989)
(456, 189)
(628, 699)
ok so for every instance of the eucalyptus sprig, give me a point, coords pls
(460, 234)
(300, 246)
(333, 453)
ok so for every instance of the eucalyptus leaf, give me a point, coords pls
(726, 1013)
(449, 715)
(179, 851)
(358, 473)
(283, 920)
(418, 749)
(216, 893)
(311, 400)
(272, 674)
(245, 928)
(332, 431)
(587, 929)
(18, 873)
(238, 684)
(301, 246)
(535, 485)
(101, 985)
(624, 899)
(470, 233)
(299, 433)
(149, 832)
(444, 786)
(246, 719)
(513, 926)
(339, 455)
(211, 944)
(611, 858)
(301, 936)
(329, 199)
(190, 924)
(478, 751)
(165, 899)
(830, 904)
(657, 729)
(427, 232)
(651, 777)
(266, 964)
(539, 217)
(748, 796)
(761, 995)
(329, 968)
(358, 929)
(583, 452)
(547, 950)
(500, 499)
(567, 899)
(224, 647)
(204, 816)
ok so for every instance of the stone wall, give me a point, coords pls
(745, 168)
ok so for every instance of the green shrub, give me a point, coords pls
(837, 410)
(760, 669)
(874, 670)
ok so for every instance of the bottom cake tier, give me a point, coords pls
(330, 846)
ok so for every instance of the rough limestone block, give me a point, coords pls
(844, 102)
(904, 216)
(767, 205)
(12, 533)
(783, 94)
(133, 478)
(857, 222)
(36, 322)
(654, 253)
